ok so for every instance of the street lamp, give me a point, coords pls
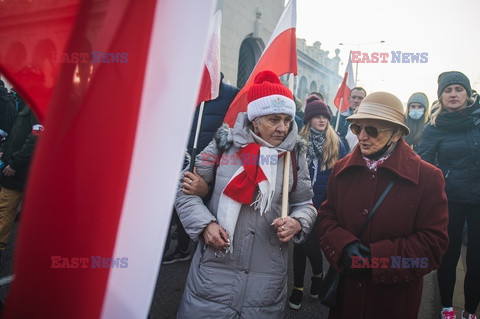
(358, 47)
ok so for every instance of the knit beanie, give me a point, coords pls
(453, 77)
(315, 107)
(418, 97)
(268, 96)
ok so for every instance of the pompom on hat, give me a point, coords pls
(268, 96)
(315, 107)
(381, 106)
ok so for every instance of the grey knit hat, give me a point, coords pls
(418, 97)
(453, 77)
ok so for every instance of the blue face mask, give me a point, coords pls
(416, 114)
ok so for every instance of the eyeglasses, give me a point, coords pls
(371, 131)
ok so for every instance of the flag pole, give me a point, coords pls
(286, 165)
(338, 114)
(197, 133)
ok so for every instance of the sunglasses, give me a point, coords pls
(371, 131)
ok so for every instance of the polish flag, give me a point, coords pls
(100, 193)
(346, 87)
(279, 56)
(210, 85)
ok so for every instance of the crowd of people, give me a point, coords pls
(382, 193)
(384, 198)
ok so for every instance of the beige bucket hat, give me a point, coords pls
(381, 106)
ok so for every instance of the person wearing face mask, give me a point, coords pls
(382, 257)
(416, 117)
(452, 140)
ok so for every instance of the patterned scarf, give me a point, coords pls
(315, 147)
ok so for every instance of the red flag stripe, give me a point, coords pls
(280, 56)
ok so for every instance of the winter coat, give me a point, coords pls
(18, 149)
(320, 183)
(7, 113)
(410, 223)
(457, 153)
(251, 282)
(213, 115)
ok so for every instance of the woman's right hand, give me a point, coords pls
(193, 184)
(215, 236)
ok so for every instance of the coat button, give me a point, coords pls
(359, 285)
(372, 176)
(365, 212)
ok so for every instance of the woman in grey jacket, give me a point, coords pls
(452, 141)
(240, 266)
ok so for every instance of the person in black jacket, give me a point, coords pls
(7, 112)
(16, 154)
(357, 94)
(452, 141)
(213, 115)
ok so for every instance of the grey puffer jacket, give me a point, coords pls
(251, 282)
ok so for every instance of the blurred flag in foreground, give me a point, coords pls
(99, 198)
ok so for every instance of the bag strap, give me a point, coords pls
(375, 208)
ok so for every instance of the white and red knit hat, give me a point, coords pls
(269, 96)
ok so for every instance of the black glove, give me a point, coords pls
(354, 249)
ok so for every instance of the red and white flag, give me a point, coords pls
(100, 193)
(210, 85)
(346, 87)
(279, 56)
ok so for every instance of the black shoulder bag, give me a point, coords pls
(329, 294)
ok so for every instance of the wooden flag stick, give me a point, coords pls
(286, 175)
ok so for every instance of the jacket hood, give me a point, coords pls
(240, 135)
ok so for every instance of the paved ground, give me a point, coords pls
(171, 281)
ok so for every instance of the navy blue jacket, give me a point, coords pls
(320, 185)
(213, 115)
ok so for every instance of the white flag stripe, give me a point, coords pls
(158, 152)
(349, 71)
(212, 61)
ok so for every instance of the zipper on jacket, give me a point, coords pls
(446, 175)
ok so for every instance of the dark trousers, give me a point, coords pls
(458, 212)
(311, 249)
(183, 238)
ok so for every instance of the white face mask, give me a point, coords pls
(415, 114)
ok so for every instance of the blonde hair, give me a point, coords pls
(331, 149)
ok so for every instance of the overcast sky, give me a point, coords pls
(448, 31)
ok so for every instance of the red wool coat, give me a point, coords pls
(410, 223)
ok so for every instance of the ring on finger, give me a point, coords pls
(283, 227)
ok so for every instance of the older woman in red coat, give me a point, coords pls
(407, 237)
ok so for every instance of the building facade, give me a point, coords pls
(246, 29)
